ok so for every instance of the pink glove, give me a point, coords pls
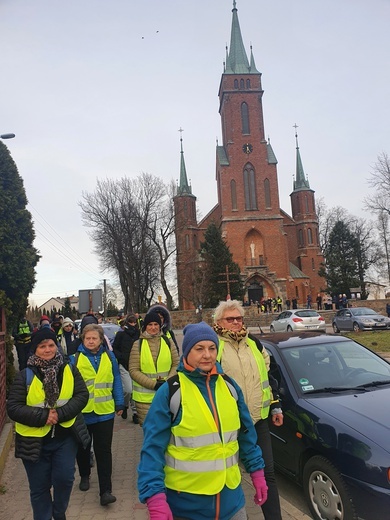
(158, 507)
(260, 485)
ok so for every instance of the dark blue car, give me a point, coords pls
(335, 440)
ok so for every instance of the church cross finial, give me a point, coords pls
(296, 133)
(234, 4)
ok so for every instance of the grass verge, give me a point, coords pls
(378, 341)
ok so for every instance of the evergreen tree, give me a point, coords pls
(18, 257)
(217, 261)
(67, 309)
(341, 258)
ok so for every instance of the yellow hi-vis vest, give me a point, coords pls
(265, 397)
(199, 459)
(99, 384)
(160, 370)
(36, 397)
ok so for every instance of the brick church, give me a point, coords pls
(278, 254)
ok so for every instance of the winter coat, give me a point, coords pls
(117, 389)
(123, 344)
(239, 363)
(157, 433)
(29, 448)
(140, 377)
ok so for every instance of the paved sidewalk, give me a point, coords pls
(14, 491)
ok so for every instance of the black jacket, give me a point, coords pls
(123, 343)
(29, 448)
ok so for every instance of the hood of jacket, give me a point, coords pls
(165, 313)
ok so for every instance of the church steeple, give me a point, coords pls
(184, 188)
(237, 60)
(301, 182)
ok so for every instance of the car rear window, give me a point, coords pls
(307, 314)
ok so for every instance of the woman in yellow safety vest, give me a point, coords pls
(197, 428)
(45, 401)
(99, 368)
(152, 361)
(244, 358)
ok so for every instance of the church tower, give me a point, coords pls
(278, 254)
(308, 254)
(186, 232)
(247, 183)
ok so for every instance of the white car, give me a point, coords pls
(298, 319)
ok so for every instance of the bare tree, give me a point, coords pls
(379, 180)
(121, 214)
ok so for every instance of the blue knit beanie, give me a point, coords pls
(195, 332)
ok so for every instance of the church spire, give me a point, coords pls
(238, 59)
(301, 182)
(184, 188)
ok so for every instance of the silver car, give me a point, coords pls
(298, 319)
(359, 318)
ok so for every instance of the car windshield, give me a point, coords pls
(307, 313)
(363, 311)
(340, 365)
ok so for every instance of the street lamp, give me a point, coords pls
(7, 136)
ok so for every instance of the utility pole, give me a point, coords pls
(105, 299)
(227, 281)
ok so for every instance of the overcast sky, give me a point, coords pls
(96, 89)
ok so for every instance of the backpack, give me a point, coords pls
(175, 393)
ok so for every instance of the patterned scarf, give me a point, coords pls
(226, 333)
(49, 369)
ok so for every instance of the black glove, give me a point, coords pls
(159, 383)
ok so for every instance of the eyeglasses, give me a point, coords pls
(230, 319)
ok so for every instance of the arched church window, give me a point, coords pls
(242, 84)
(309, 236)
(233, 193)
(250, 188)
(236, 84)
(187, 242)
(245, 118)
(267, 193)
(248, 83)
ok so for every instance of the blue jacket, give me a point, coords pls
(117, 390)
(157, 432)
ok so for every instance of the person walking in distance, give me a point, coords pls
(244, 358)
(99, 369)
(152, 360)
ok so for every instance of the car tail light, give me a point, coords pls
(296, 320)
(320, 318)
(388, 475)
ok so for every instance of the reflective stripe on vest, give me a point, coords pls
(36, 397)
(265, 397)
(99, 384)
(200, 459)
(147, 366)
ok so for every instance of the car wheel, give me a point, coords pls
(356, 327)
(271, 328)
(289, 329)
(326, 492)
(335, 328)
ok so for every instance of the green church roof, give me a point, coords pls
(237, 59)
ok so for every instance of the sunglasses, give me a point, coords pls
(230, 319)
